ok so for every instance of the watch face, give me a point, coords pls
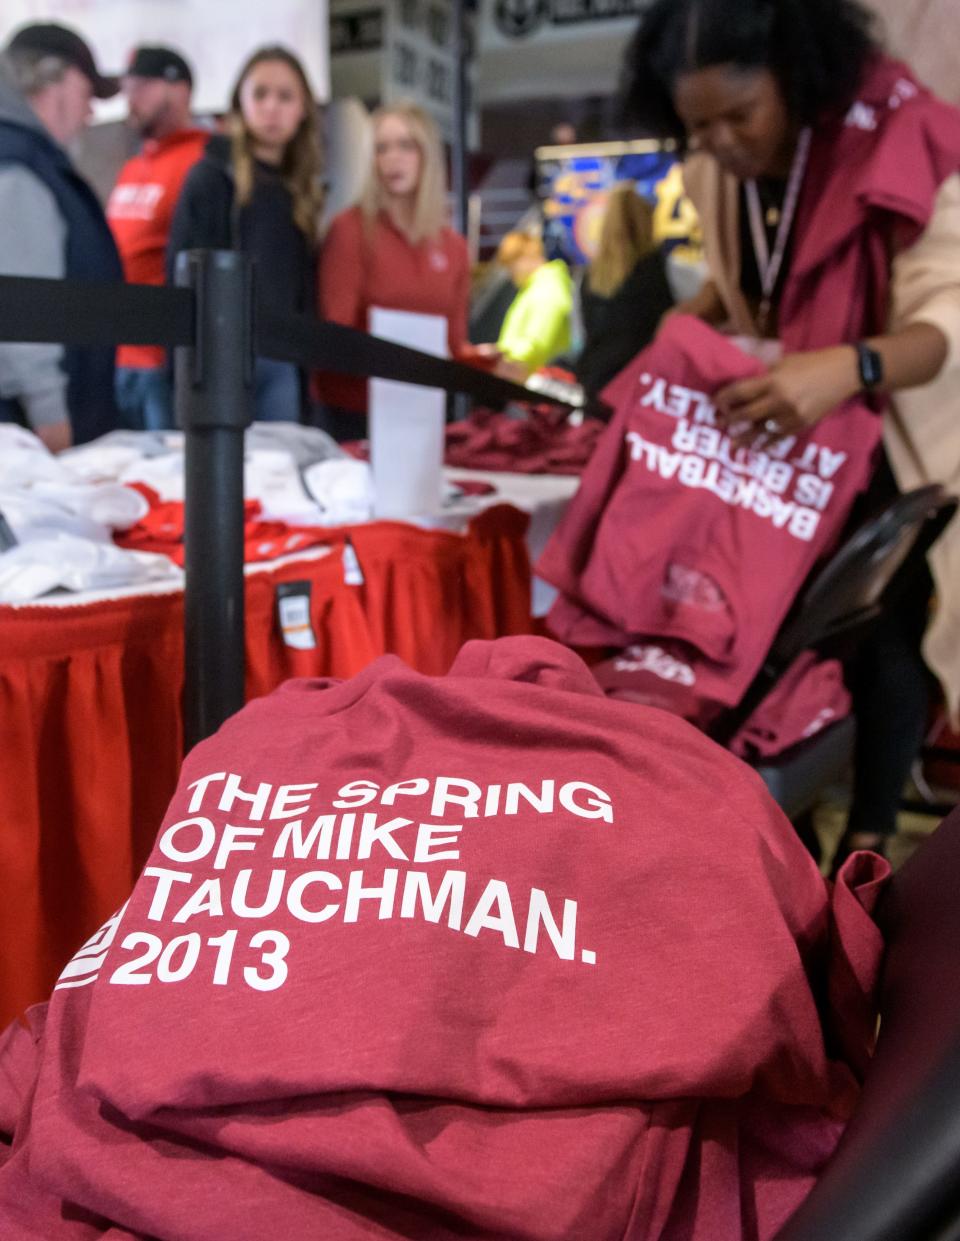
(871, 366)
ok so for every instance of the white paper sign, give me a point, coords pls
(407, 422)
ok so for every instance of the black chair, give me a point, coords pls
(896, 1173)
(835, 609)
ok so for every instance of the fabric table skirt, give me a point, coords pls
(90, 708)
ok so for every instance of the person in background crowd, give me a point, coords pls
(625, 291)
(536, 327)
(563, 134)
(157, 86)
(51, 225)
(257, 189)
(826, 180)
(392, 249)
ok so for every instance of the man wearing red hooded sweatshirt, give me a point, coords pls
(157, 86)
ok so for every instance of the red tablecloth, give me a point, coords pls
(90, 718)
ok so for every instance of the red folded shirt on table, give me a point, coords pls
(161, 530)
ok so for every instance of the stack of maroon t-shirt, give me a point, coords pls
(676, 534)
(810, 696)
(543, 442)
(475, 956)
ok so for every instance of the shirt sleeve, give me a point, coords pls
(925, 286)
(341, 273)
(32, 243)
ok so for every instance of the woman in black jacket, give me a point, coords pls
(624, 292)
(257, 189)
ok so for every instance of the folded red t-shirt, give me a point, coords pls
(161, 530)
(482, 955)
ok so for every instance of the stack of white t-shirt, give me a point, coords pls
(60, 526)
(276, 459)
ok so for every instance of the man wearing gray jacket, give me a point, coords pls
(52, 225)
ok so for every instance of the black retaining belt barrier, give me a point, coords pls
(75, 313)
(208, 320)
(70, 312)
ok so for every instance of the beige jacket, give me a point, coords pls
(922, 428)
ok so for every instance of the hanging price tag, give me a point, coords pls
(293, 610)
(352, 573)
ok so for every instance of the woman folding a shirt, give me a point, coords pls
(826, 179)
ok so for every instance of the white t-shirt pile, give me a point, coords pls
(57, 526)
(61, 511)
(297, 474)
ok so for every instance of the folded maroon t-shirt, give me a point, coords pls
(484, 955)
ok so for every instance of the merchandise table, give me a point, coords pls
(90, 692)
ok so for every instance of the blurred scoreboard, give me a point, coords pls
(573, 183)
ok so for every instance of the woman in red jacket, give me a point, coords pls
(392, 249)
(827, 183)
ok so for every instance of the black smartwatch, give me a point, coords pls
(870, 366)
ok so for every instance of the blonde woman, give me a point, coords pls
(392, 249)
(257, 189)
(625, 291)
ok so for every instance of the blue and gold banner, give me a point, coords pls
(573, 183)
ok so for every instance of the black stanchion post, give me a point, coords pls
(458, 405)
(459, 165)
(214, 404)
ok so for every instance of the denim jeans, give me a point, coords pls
(276, 391)
(144, 398)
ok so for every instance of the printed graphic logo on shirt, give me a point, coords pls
(862, 116)
(135, 202)
(84, 967)
(374, 865)
(789, 483)
(658, 661)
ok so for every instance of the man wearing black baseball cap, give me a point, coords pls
(49, 39)
(159, 62)
(157, 86)
(52, 225)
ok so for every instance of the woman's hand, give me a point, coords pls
(791, 397)
(516, 372)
